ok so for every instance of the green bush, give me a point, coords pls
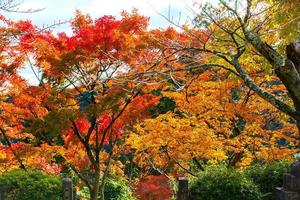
(114, 190)
(268, 176)
(117, 190)
(225, 184)
(30, 185)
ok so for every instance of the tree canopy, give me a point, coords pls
(117, 98)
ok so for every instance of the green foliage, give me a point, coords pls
(68, 172)
(165, 105)
(117, 190)
(114, 190)
(256, 182)
(287, 18)
(268, 176)
(131, 169)
(31, 185)
(225, 184)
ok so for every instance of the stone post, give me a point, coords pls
(1, 195)
(183, 190)
(2, 192)
(291, 184)
(67, 189)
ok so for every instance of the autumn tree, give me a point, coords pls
(232, 77)
(91, 98)
(243, 33)
(16, 101)
(215, 121)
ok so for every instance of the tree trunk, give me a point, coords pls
(287, 69)
(95, 189)
(102, 191)
(298, 126)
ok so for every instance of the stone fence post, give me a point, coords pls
(1, 195)
(2, 192)
(290, 189)
(183, 190)
(67, 189)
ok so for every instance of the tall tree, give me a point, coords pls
(244, 37)
(91, 100)
(235, 49)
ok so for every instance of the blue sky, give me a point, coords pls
(55, 10)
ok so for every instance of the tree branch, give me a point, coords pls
(22, 166)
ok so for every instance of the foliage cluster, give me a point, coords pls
(28, 185)
(222, 183)
(114, 190)
(256, 182)
(153, 188)
(268, 176)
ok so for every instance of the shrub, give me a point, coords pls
(153, 188)
(268, 176)
(22, 185)
(114, 190)
(117, 190)
(225, 184)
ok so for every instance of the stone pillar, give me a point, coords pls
(2, 192)
(67, 189)
(291, 184)
(183, 190)
(1, 195)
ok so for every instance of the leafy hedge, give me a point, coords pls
(114, 190)
(30, 185)
(225, 184)
(255, 183)
(117, 190)
(268, 176)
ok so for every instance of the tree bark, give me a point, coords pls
(22, 166)
(102, 191)
(285, 69)
(95, 188)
